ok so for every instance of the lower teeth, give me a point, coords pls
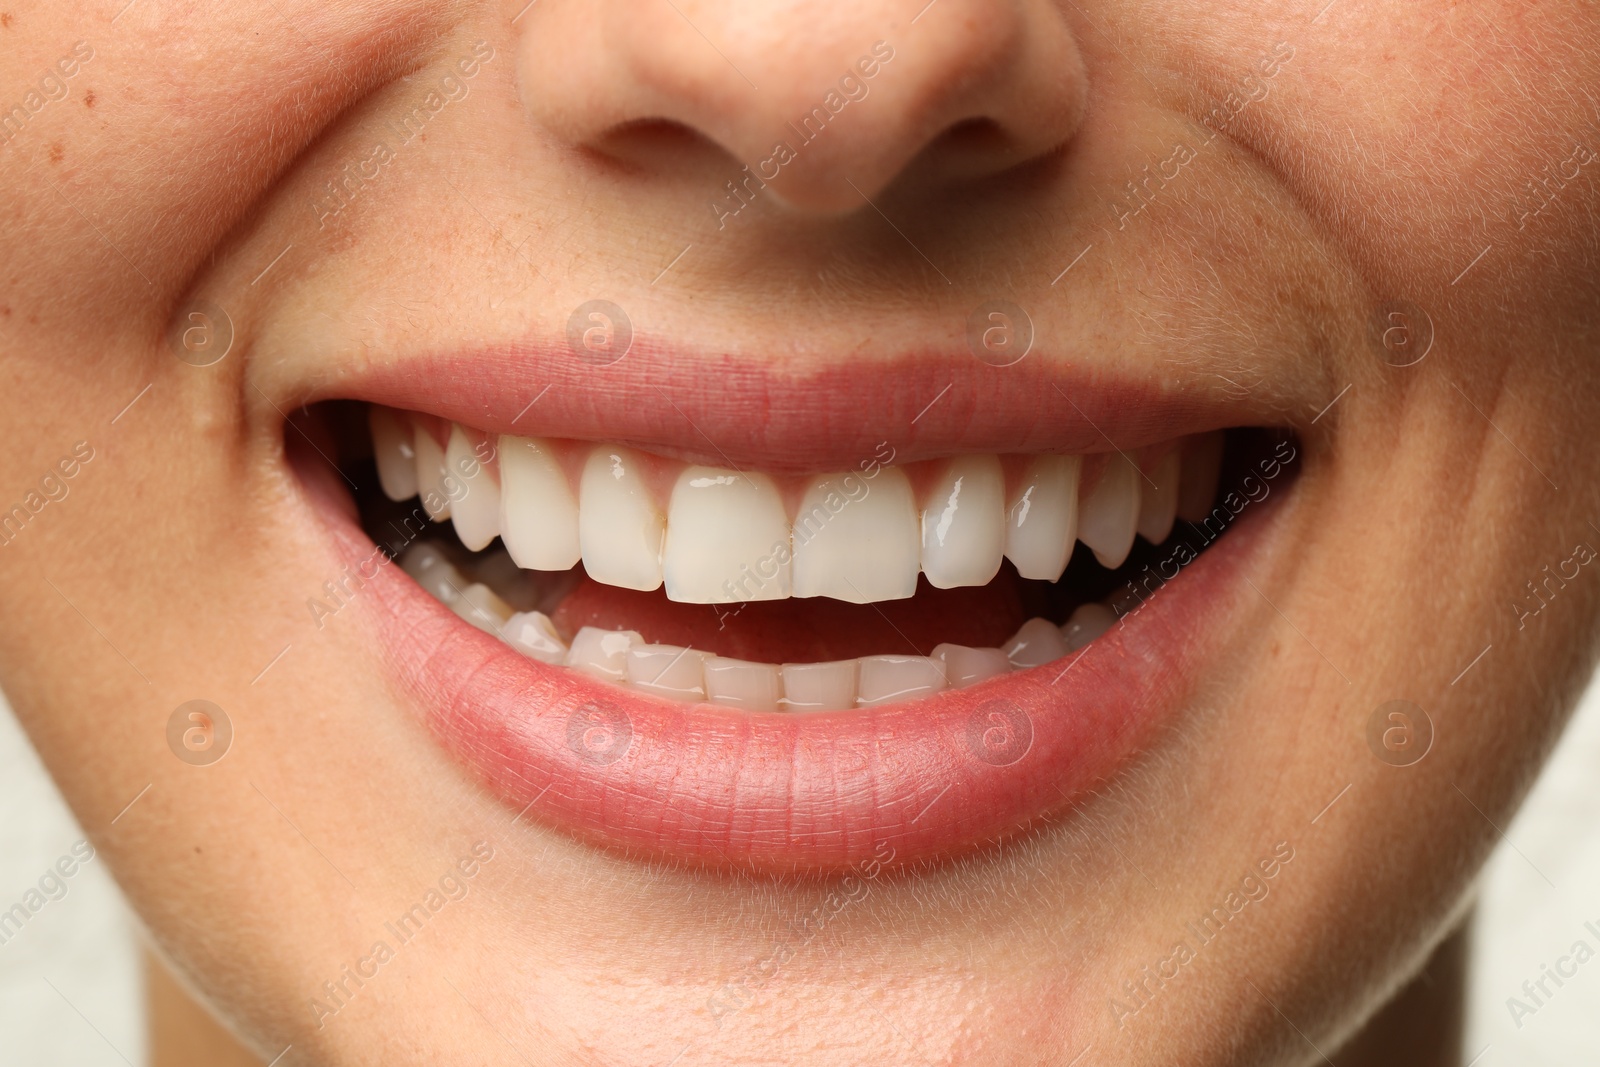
(502, 603)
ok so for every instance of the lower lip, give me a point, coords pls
(812, 792)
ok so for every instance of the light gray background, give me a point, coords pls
(70, 989)
(69, 982)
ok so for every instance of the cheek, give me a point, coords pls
(1421, 133)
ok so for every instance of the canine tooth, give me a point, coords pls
(534, 635)
(391, 447)
(538, 514)
(727, 539)
(430, 569)
(1106, 518)
(819, 686)
(1202, 466)
(1038, 641)
(1042, 519)
(476, 515)
(667, 671)
(602, 653)
(855, 539)
(737, 683)
(1158, 503)
(965, 666)
(619, 527)
(964, 524)
(890, 679)
(431, 475)
(1088, 622)
(479, 605)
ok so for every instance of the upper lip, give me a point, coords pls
(744, 413)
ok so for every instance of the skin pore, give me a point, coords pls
(1329, 186)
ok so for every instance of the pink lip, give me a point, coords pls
(732, 411)
(803, 792)
(796, 792)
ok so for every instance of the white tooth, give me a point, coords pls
(727, 539)
(1107, 516)
(431, 475)
(1088, 622)
(602, 653)
(619, 526)
(855, 538)
(819, 686)
(1202, 465)
(476, 514)
(1042, 519)
(479, 606)
(538, 513)
(891, 679)
(737, 683)
(499, 572)
(430, 569)
(1038, 641)
(1158, 503)
(391, 447)
(964, 524)
(965, 666)
(668, 671)
(534, 635)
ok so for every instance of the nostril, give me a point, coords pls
(972, 147)
(977, 132)
(841, 114)
(659, 144)
(974, 138)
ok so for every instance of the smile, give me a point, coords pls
(780, 668)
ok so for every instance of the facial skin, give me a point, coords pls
(1389, 159)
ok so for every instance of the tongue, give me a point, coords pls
(808, 630)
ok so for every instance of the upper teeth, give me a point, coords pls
(714, 535)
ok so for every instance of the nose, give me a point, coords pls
(826, 102)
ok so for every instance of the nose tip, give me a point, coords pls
(826, 104)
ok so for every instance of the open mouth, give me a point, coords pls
(767, 593)
(778, 669)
